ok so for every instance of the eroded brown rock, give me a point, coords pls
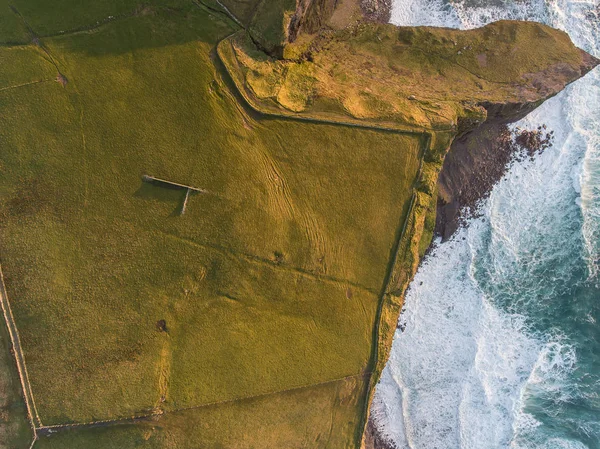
(479, 158)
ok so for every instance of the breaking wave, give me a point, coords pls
(501, 340)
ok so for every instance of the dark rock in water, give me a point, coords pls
(374, 439)
(475, 163)
(377, 10)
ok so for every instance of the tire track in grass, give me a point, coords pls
(164, 373)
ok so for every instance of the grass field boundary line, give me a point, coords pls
(230, 14)
(35, 37)
(254, 258)
(110, 19)
(16, 86)
(225, 11)
(13, 44)
(14, 9)
(102, 22)
(19, 357)
(102, 422)
(257, 259)
(81, 29)
(378, 315)
(426, 145)
(85, 28)
(157, 414)
(271, 393)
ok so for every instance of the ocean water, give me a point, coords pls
(501, 340)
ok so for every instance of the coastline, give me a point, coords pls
(462, 166)
(476, 162)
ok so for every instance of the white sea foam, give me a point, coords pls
(465, 15)
(455, 371)
(461, 373)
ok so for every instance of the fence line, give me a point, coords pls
(32, 413)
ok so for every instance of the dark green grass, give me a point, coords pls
(12, 29)
(64, 16)
(243, 10)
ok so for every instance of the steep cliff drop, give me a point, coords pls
(478, 159)
(498, 343)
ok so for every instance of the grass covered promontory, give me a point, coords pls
(420, 77)
(262, 316)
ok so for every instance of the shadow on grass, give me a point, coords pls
(151, 27)
(164, 193)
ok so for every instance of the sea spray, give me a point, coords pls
(501, 340)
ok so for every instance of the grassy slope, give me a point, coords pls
(261, 282)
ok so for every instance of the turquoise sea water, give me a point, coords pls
(501, 347)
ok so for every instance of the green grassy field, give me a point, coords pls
(318, 417)
(12, 29)
(15, 431)
(243, 10)
(64, 16)
(269, 282)
(263, 316)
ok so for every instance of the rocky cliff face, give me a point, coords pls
(478, 158)
(310, 16)
(273, 24)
